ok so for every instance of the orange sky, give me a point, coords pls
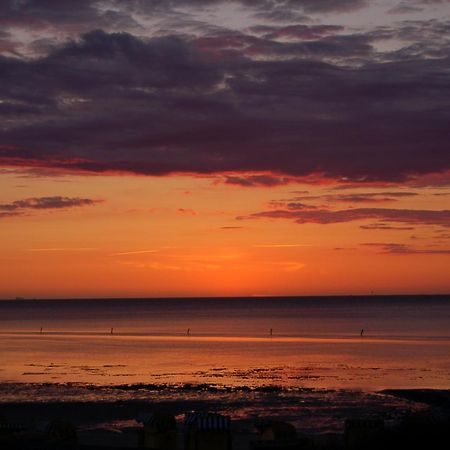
(192, 148)
(180, 236)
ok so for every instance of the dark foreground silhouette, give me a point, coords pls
(202, 430)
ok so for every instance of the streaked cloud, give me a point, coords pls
(134, 252)
(62, 249)
(322, 216)
(281, 245)
(187, 211)
(402, 249)
(355, 197)
(18, 207)
(263, 180)
(384, 226)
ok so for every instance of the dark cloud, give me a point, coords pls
(67, 15)
(314, 6)
(297, 31)
(371, 197)
(71, 16)
(402, 249)
(7, 44)
(39, 25)
(297, 41)
(56, 202)
(421, 39)
(322, 202)
(292, 205)
(384, 226)
(430, 2)
(359, 197)
(319, 102)
(412, 6)
(308, 5)
(403, 8)
(4, 215)
(323, 216)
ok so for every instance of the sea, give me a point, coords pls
(246, 355)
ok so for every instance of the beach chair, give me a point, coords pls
(206, 431)
(277, 435)
(159, 431)
(363, 433)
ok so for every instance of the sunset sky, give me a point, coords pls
(209, 148)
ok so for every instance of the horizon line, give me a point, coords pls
(223, 297)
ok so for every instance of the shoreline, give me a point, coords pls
(233, 297)
(439, 398)
(320, 417)
(351, 338)
(328, 405)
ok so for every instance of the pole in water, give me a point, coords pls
(188, 332)
(362, 332)
(112, 330)
(271, 332)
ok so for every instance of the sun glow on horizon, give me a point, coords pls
(136, 243)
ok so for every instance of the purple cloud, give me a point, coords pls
(359, 197)
(384, 226)
(57, 202)
(322, 216)
(281, 102)
(402, 249)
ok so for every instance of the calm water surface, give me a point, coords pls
(315, 342)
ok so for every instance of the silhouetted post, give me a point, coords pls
(271, 332)
(40, 331)
(112, 330)
(188, 332)
(362, 332)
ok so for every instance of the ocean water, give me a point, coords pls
(315, 343)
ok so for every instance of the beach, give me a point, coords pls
(318, 414)
(314, 372)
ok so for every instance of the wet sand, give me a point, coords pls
(312, 372)
(311, 411)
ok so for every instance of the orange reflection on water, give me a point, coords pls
(240, 361)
